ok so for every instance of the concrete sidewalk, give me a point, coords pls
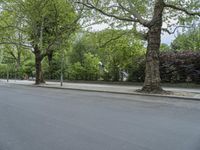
(183, 93)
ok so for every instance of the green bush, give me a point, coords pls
(91, 67)
(3, 70)
(7, 69)
(88, 70)
(75, 71)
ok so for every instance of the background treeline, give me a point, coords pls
(110, 55)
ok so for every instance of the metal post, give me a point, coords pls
(7, 74)
(61, 71)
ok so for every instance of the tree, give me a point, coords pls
(46, 25)
(83, 59)
(118, 50)
(12, 38)
(190, 40)
(150, 14)
(75, 71)
(13, 51)
(91, 66)
(83, 43)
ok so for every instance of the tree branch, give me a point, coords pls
(140, 35)
(183, 10)
(172, 32)
(13, 55)
(112, 39)
(89, 5)
(15, 43)
(11, 26)
(137, 15)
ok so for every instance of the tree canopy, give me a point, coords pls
(46, 25)
(189, 40)
(51, 35)
(150, 17)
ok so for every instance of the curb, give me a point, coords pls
(125, 93)
(112, 92)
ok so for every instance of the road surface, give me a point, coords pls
(48, 119)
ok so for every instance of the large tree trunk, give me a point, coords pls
(50, 58)
(152, 73)
(18, 63)
(38, 66)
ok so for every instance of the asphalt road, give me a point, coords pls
(48, 119)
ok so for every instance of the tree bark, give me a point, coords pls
(18, 63)
(152, 73)
(50, 58)
(38, 66)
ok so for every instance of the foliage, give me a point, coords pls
(7, 70)
(29, 68)
(87, 70)
(137, 69)
(179, 66)
(75, 71)
(3, 70)
(146, 18)
(182, 66)
(164, 47)
(49, 23)
(189, 40)
(53, 70)
(84, 43)
(91, 66)
(119, 52)
(45, 25)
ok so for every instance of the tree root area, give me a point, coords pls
(154, 91)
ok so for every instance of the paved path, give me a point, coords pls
(52, 119)
(187, 93)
